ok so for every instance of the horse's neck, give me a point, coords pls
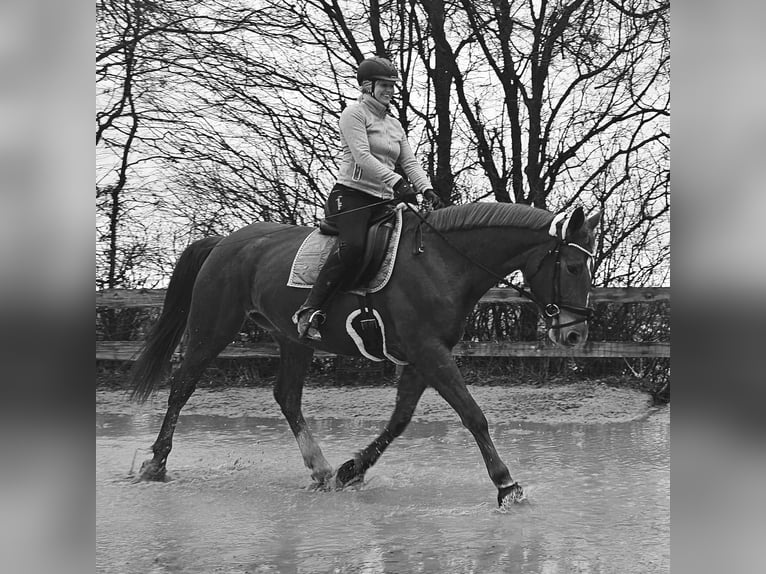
(489, 254)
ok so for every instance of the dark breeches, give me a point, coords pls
(351, 211)
(348, 209)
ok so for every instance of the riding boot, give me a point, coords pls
(310, 316)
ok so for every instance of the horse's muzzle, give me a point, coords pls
(568, 329)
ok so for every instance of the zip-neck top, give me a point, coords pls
(373, 144)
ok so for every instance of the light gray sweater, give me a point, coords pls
(373, 144)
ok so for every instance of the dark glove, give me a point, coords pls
(403, 190)
(430, 196)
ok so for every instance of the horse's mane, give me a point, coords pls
(484, 214)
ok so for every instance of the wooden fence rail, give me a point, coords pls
(149, 298)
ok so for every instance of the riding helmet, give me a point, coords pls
(376, 68)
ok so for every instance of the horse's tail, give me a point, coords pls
(154, 362)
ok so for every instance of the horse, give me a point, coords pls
(457, 254)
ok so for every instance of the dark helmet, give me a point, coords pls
(376, 68)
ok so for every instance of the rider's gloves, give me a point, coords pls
(404, 191)
(430, 196)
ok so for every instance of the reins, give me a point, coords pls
(370, 206)
(423, 220)
(551, 310)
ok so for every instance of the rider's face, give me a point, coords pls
(383, 91)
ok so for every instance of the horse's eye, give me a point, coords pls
(574, 268)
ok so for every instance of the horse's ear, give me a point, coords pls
(593, 220)
(575, 221)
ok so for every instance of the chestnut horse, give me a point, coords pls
(445, 263)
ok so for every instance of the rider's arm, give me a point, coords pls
(412, 168)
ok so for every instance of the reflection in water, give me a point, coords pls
(240, 499)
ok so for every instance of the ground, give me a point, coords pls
(578, 402)
(538, 380)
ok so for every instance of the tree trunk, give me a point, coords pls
(444, 179)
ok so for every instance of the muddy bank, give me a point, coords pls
(584, 402)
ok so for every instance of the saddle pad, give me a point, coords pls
(316, 248)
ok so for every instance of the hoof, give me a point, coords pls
(509, 495)
(152, 471)
(323, 480)
(348, 474)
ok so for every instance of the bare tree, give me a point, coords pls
(216, 114)
(147, 54)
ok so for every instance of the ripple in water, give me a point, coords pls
(240, 500)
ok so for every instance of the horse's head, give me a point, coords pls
(560, 274)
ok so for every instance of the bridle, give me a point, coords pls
(552, 309)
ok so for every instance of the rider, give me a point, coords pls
(374, 144)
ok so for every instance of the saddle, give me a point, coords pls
(364, 325)
(378, 236)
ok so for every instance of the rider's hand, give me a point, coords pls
(403, 190)
(430, 196)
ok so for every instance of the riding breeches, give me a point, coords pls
(351, 211)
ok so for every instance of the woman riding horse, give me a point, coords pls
(458, 254)
(374, 143)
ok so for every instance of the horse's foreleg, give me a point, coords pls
(295, 360)
(440, 371)
(410, 389)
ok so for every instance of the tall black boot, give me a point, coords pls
(309, 316)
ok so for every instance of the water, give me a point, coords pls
(240, 499)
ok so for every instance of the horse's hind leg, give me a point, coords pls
(295, 360)
(410, 389)
(210, 329)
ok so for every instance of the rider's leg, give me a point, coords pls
(347, 208)
(327, 283)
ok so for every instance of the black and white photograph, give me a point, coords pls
(383, 287)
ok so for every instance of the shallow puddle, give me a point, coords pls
(240, 498)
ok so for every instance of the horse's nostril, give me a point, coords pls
(573, 337)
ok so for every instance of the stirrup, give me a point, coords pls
(309, 327)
